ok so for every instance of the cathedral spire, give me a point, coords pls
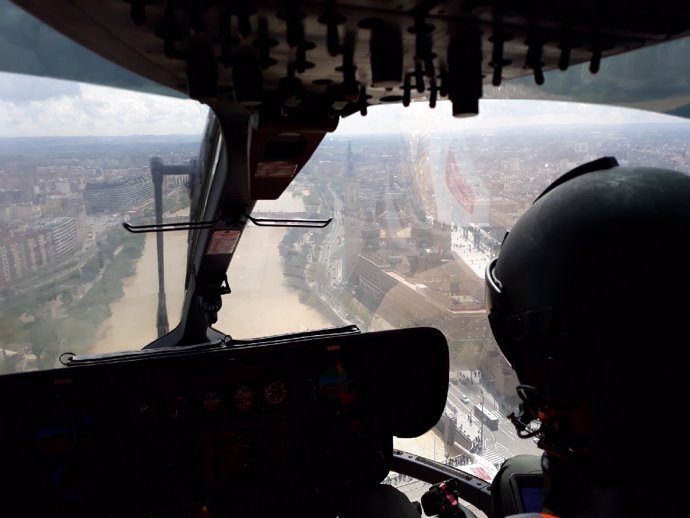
(350, 161)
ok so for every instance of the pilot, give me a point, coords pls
(589, 302)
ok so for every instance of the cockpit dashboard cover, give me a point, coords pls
(231, 428)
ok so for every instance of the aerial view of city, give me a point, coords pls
(387, 259)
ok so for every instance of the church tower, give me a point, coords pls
(352, 224)
(351, 206)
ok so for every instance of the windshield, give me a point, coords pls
(420, 202)
(76, 162)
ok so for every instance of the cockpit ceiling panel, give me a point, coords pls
(335, 58)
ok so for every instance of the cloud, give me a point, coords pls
(493, 113)
(31, 106)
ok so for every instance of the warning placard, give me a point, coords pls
(223, 242)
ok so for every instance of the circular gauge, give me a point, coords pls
(211, 401)
(142, 411)
(244, 397)
(176, 408)
(275, 392)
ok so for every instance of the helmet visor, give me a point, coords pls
(508, 326)
(496, 311)
(493, 288)
(517, 332)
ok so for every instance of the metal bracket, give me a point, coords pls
(210, 299)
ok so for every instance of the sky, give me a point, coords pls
(31, 106)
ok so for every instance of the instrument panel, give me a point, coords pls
(220, 431)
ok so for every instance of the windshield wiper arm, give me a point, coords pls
(260, 222)
(165, 227)
(290, 222)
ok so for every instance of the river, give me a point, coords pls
(260, 303)
(132, 323)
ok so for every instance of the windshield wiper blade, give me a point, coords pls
(71, 359)
(334, 331)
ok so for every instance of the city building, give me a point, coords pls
(115, 196)
(34, 247)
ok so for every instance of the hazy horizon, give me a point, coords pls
(43, 107)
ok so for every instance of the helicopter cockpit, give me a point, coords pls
(242, 244)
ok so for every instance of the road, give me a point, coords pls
(504, 441)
